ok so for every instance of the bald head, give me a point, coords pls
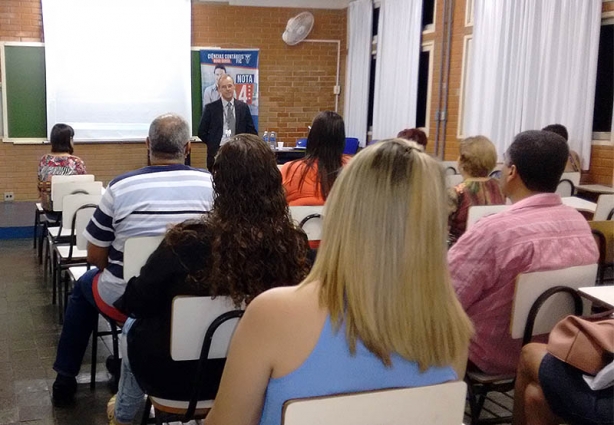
(168, 136)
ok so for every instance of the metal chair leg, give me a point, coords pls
(145, 418)
(94, 355)
(37, 223)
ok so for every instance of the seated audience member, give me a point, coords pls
(139, 203)
(376, 311)
(573, 160)
(246, 245)
(60, 162)
(414, 135)
(477, 159)
(536, 233)
(549, 391)
(308, 180)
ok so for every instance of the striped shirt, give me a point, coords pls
(145, 202)
(538, 233)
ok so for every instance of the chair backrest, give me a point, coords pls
(453, 179)
(565, 188)
(55, 180)
(529, 286)
(442, 404)
(136, 252)
(301, 143)
(604, 233)
(311, 226)
(83, 216)
(191, 318)
(351, 146)
(573, 176)
(71, 203)
(63, 189)
(605, 204)
(450, 164)
(476, 212)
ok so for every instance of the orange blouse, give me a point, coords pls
(309, 193)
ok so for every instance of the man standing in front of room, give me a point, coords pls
(223, 119)
(537, 233)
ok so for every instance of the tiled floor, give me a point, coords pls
(29, 333)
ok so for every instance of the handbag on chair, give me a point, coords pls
(585, 343)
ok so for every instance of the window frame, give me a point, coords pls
(469, 5)
(468, 38)
(604, 138)
(428, 46)
(430, 28)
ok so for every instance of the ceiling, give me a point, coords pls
(302, 4)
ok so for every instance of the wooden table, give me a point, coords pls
(579, 204)
(602, 295)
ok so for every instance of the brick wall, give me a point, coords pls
(296, 82)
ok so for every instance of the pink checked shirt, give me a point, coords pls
(536, 234)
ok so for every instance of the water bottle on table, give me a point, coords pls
(265, 137)
(273, 140)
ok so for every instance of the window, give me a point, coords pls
(604, 93)
(425, 76)
(428, 15)
(467, 44)
(372, 71)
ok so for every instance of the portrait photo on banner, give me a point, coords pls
(241, 65)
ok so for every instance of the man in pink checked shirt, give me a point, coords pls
(537, 233)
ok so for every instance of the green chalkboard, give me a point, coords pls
(25, 91)
(197, 94)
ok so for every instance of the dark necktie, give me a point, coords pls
(230, 118)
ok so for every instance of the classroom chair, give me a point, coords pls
(441, 404)
(541, 299)
(201, 329)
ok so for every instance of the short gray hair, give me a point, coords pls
(168, 136)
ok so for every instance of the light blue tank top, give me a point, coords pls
(331, 369)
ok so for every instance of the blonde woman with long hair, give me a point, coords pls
(377, 310)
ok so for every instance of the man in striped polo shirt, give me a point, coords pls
(144, 202)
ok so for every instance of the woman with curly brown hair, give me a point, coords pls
(246, 245)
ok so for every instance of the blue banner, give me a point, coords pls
(241, 65)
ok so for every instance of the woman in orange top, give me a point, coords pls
(308, 180)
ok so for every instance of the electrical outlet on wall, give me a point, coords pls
(9, 196)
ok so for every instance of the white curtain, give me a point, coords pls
(360, 18)
(534, 63)
(396, 71)
(112, 66)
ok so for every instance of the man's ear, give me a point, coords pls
(513, 170)
(512, 173)
(147, 143)
(188, 148)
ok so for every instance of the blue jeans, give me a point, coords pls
(129, 394)
(79, 321)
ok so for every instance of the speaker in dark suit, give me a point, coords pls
(225, 114)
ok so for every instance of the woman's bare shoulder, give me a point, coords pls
(283, 310)
(283, 301)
